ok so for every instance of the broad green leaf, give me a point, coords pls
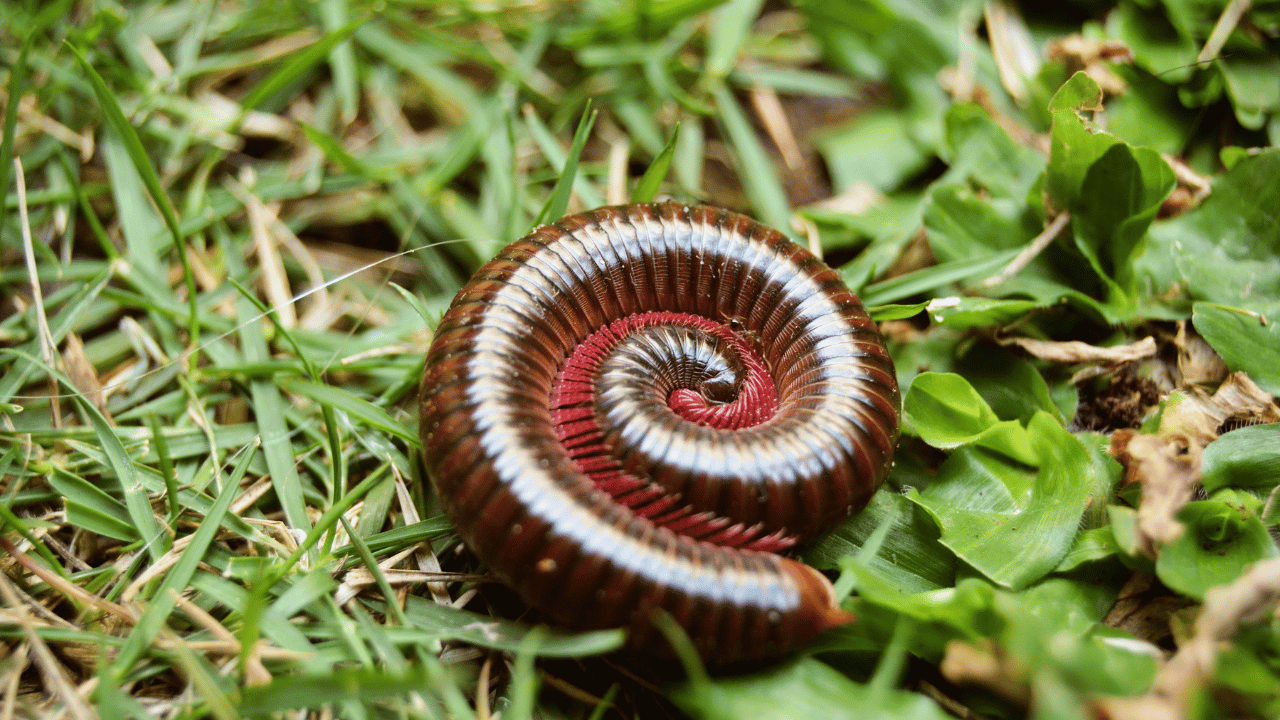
(947, 413)
(1120, 195)
(1011, 386)
(963, 226)
(880, 313)
(1124, 529)
(1054, 627)
(965, 313)
(910, 558)
(877, 148)
(1220, 540)
(984, 153)
(1227, 251)
(1253, 87)
(1080, 93)
(1073, 146)
(805, 688)
(1011, 523)
(1247, 458)
(446, 623)
(1090, 545)
(1243, 340)
(1157, 45)
(1250, 667)
(1148, 114)
(1205, 87)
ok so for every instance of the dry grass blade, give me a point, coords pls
(1037, 245)
(48, 348)
(51, 670)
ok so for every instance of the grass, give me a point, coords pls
(227, 230)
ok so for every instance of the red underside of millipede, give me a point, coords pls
(573, 414)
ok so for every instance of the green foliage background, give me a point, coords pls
(227, 227)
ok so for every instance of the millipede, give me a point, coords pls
(638, 408)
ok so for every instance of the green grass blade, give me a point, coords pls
(358, 409)
(648, 186)
(179, 576)
(330, 517)
(166, 467)
(102, 508)
(328, 690)
(86, 210)
(336, 465)
(9, 520)
(136, 500)
(60, 324)
(17, 89)
(690, 151)
(342, 60)
(904, 286)
(755, 168)
(295, 66)
(333, 150)
(559, 200)
(379, 577)
(728, 32)
(135, 495)
(524, 681)
(138, 156)
(269, 411)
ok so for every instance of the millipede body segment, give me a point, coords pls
(630, 409)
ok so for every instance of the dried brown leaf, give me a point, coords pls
(1195, 415)
(1143, 609)
(1199, 415)
(1094, 57)
(1168, 467)
(1252, 597)
(1017, 59)
(984, 664)
(83, 375)
(1240, 397)
(1198, 363)
(1074, 351)
(856, 200)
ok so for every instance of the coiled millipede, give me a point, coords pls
(631, 409)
